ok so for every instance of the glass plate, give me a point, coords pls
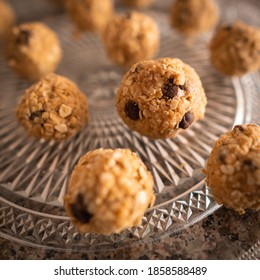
(34, 174)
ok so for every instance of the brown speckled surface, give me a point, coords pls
(223, 235)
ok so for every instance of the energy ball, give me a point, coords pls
(131, 37)
(233, 168)
(159, 98)
(89, 15)
(235, 49)
(137, 3)
(194, 17)
(108, 191)
(32, 50)
(7, 19)
(53, 108)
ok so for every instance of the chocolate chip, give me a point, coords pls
(23, 37)
(36, 114)
(249, 165)
(186, 120)
(139, 36)
(139, 68)
(240, 128)
(128, 15)
(132, 110)
(222, 157)
(169, 89)
(79, 210)
(227, 28)
(182, 87)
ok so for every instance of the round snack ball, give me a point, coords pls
(159, 98)
(235, 49)
(131, 37)
(108, 191)
(89, 15)
(233, 168)
(7, 19)
(53, 108)
(32, 50)
(137, 3)
(193, 17)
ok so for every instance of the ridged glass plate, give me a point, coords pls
(34, 174)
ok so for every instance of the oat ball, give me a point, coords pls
(108, 191)
(194, 17)
(7, 19)
(159, 98)
(131, 37)
(53, 108)
(89, 15)
(235, 49)
(137, 3)
(32, 50)
(233, 168)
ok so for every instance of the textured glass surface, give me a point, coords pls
(34, 174)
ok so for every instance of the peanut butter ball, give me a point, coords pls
(108, 191)
(89, 15)
(160, 98)
(7, 19)
(131, 37)
(32, 50)
(233, 168)
(235, 49)
(194, 17)
(53, 108)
